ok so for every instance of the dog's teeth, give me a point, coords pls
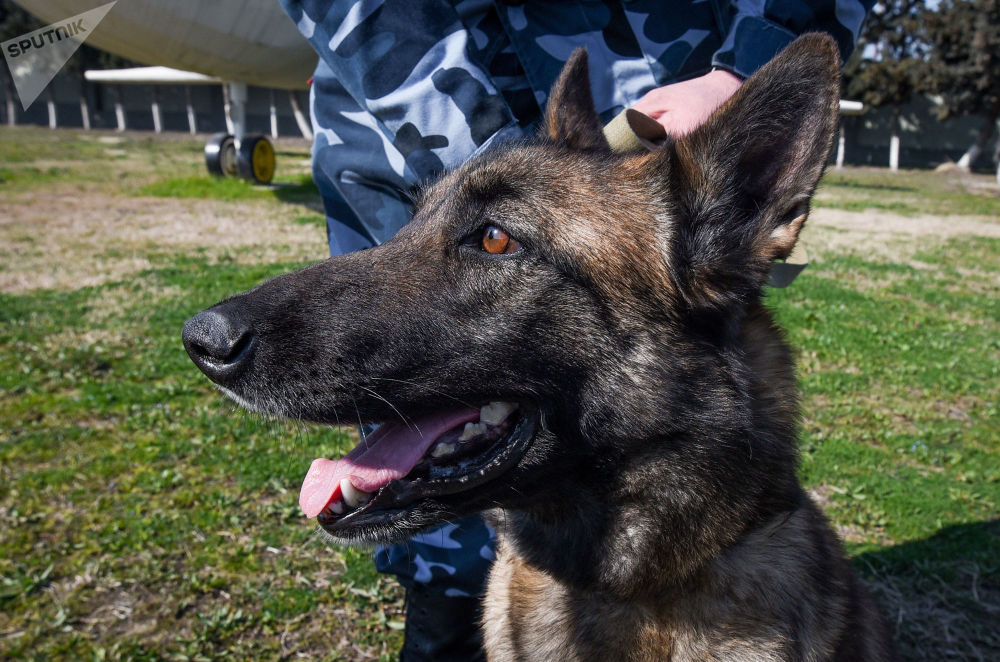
(495, 412)
(443, 449)
(337, 507)
(353, 497)
(472, 430)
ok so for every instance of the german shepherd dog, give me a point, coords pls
(574, 340)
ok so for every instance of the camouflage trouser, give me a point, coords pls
(407, 88)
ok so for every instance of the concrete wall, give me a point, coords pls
(137, 99)
(924, 141)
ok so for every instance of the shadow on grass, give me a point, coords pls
(302, 192)
(293, 153)
(866, 185)
(941, 595)
(298, 190)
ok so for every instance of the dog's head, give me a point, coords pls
(554, 313)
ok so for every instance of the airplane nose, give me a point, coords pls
(219, 341)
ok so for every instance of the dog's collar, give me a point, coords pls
(632, 131)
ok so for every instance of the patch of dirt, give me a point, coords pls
(884, 235)
(68, 239)
(942, 227)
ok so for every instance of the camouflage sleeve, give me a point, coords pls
(452, 558)
(397, 98)
(407, 64)
(758, 29)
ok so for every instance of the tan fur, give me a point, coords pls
(528, 615)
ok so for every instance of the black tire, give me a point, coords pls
(220, 155)
(255, 159)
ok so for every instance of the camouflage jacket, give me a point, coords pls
(406, 88)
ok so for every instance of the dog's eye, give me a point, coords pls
(496, 241)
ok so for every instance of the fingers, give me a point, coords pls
(682, 107)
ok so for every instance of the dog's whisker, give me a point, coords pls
(361, 427)
(431, 389)
(407, 422)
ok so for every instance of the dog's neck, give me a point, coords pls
(654, 534)
(618, 553)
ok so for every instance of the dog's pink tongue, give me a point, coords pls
(387, 454)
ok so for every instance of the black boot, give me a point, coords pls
(441, 628)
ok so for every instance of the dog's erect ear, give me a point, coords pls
(570, 117)
(743, 180)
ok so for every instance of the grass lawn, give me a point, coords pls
(144, 517)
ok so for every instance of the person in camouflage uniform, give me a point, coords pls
(405, 89)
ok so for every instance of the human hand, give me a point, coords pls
(681, 107)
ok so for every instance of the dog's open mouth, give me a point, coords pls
(431, 456)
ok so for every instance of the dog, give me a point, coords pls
(574, 340)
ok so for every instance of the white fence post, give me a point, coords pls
(51, 103)
(157, 118)
(274, 114)
(119, 108)
(192, 117)
(300, 117)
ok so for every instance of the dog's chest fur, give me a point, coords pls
(527, 615)
(757, 602)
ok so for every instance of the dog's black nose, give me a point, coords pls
(219, 342)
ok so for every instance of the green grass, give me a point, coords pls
(312, 219)
(144, 517)
(9, 176)
(900, 372)
(907, 383)
(219, 188)
(128, 484)
(909, 193)
(204, 187)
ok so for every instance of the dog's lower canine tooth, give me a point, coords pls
(353, 497)
(337, 507)
(495, 412)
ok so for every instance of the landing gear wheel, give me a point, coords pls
(220, 155)
(255, 159)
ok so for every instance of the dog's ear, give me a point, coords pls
(741, 183)
(570, 117)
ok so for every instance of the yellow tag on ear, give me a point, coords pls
(631, 131)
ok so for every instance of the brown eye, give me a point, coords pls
(496, 241)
